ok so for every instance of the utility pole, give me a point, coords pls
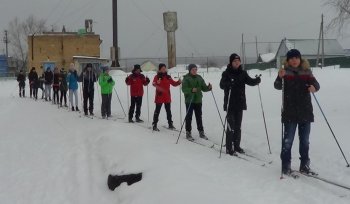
(115, 48)
(320, 46)
(6, 41)
(256, 47)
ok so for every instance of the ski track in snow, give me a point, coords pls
(50, 155)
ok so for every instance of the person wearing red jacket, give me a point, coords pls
(162, 82)
(136, 81)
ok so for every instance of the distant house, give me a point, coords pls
(309, 49)
(149, 66)
(266, 58)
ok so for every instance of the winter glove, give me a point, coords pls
(110, 80)
(127, 80)
(225, 107)
(210, 87)
(258, 80)
(147, 80)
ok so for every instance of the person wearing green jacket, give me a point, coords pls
(107, 83)
(192, 86)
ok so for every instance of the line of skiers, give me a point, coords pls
(295, 80)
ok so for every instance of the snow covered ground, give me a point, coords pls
(51, 155)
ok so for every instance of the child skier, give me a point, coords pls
(192, 87)
(162, 82)
(136, 81)
(48, 83)
(107, 83)
(32, 77)
(72, 80)
(88, 78)
(63, 87)
(56, 85)
(233, 82)
(297, 82)
(21, 79)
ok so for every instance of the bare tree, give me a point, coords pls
(18, 36)
(342, 17)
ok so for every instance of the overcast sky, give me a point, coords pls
(206, 27)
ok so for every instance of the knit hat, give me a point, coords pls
(33, 69)
(191, 66)
(161, 65)
(88, 65)
(104, 68)
(136, 67)
(293, 53)
(233, 57)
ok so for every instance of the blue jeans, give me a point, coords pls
(289, 132)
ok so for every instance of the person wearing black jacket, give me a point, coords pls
(56, 85)
(233, 82)
(88, 78)
(297, 82)
(48, 83)
(63, 87)
(21, 78)
(33, 77)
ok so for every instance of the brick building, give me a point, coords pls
(56, 49)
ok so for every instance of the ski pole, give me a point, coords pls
(178, 75)
(282, 128)
(263, 114)
(147, 105)
(324, 116)
(127, 93)
(217, 108)
(81, 96)
(121, 105)
(224, 126)
(189, 106)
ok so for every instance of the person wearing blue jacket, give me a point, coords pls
(72, 80)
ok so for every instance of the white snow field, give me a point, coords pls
(54, 156)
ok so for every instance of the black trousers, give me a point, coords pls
(135, 101)
(35, 92)
(31, 89)
(63, 96)
(197, 109)
(106, 105)
(157, 111)
(22, 90)
(88, 96)
(233, 131)
(55, 94)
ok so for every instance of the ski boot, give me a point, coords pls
(171, 126)
(231, 152)
(239, 150)
(305, 169)
(189, 136)
(202, 135)
(138, 120)
(154, 127)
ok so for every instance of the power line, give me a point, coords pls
(155, 24)
(55, 8)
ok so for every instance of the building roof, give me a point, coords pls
(267, 57)
(310, 46)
